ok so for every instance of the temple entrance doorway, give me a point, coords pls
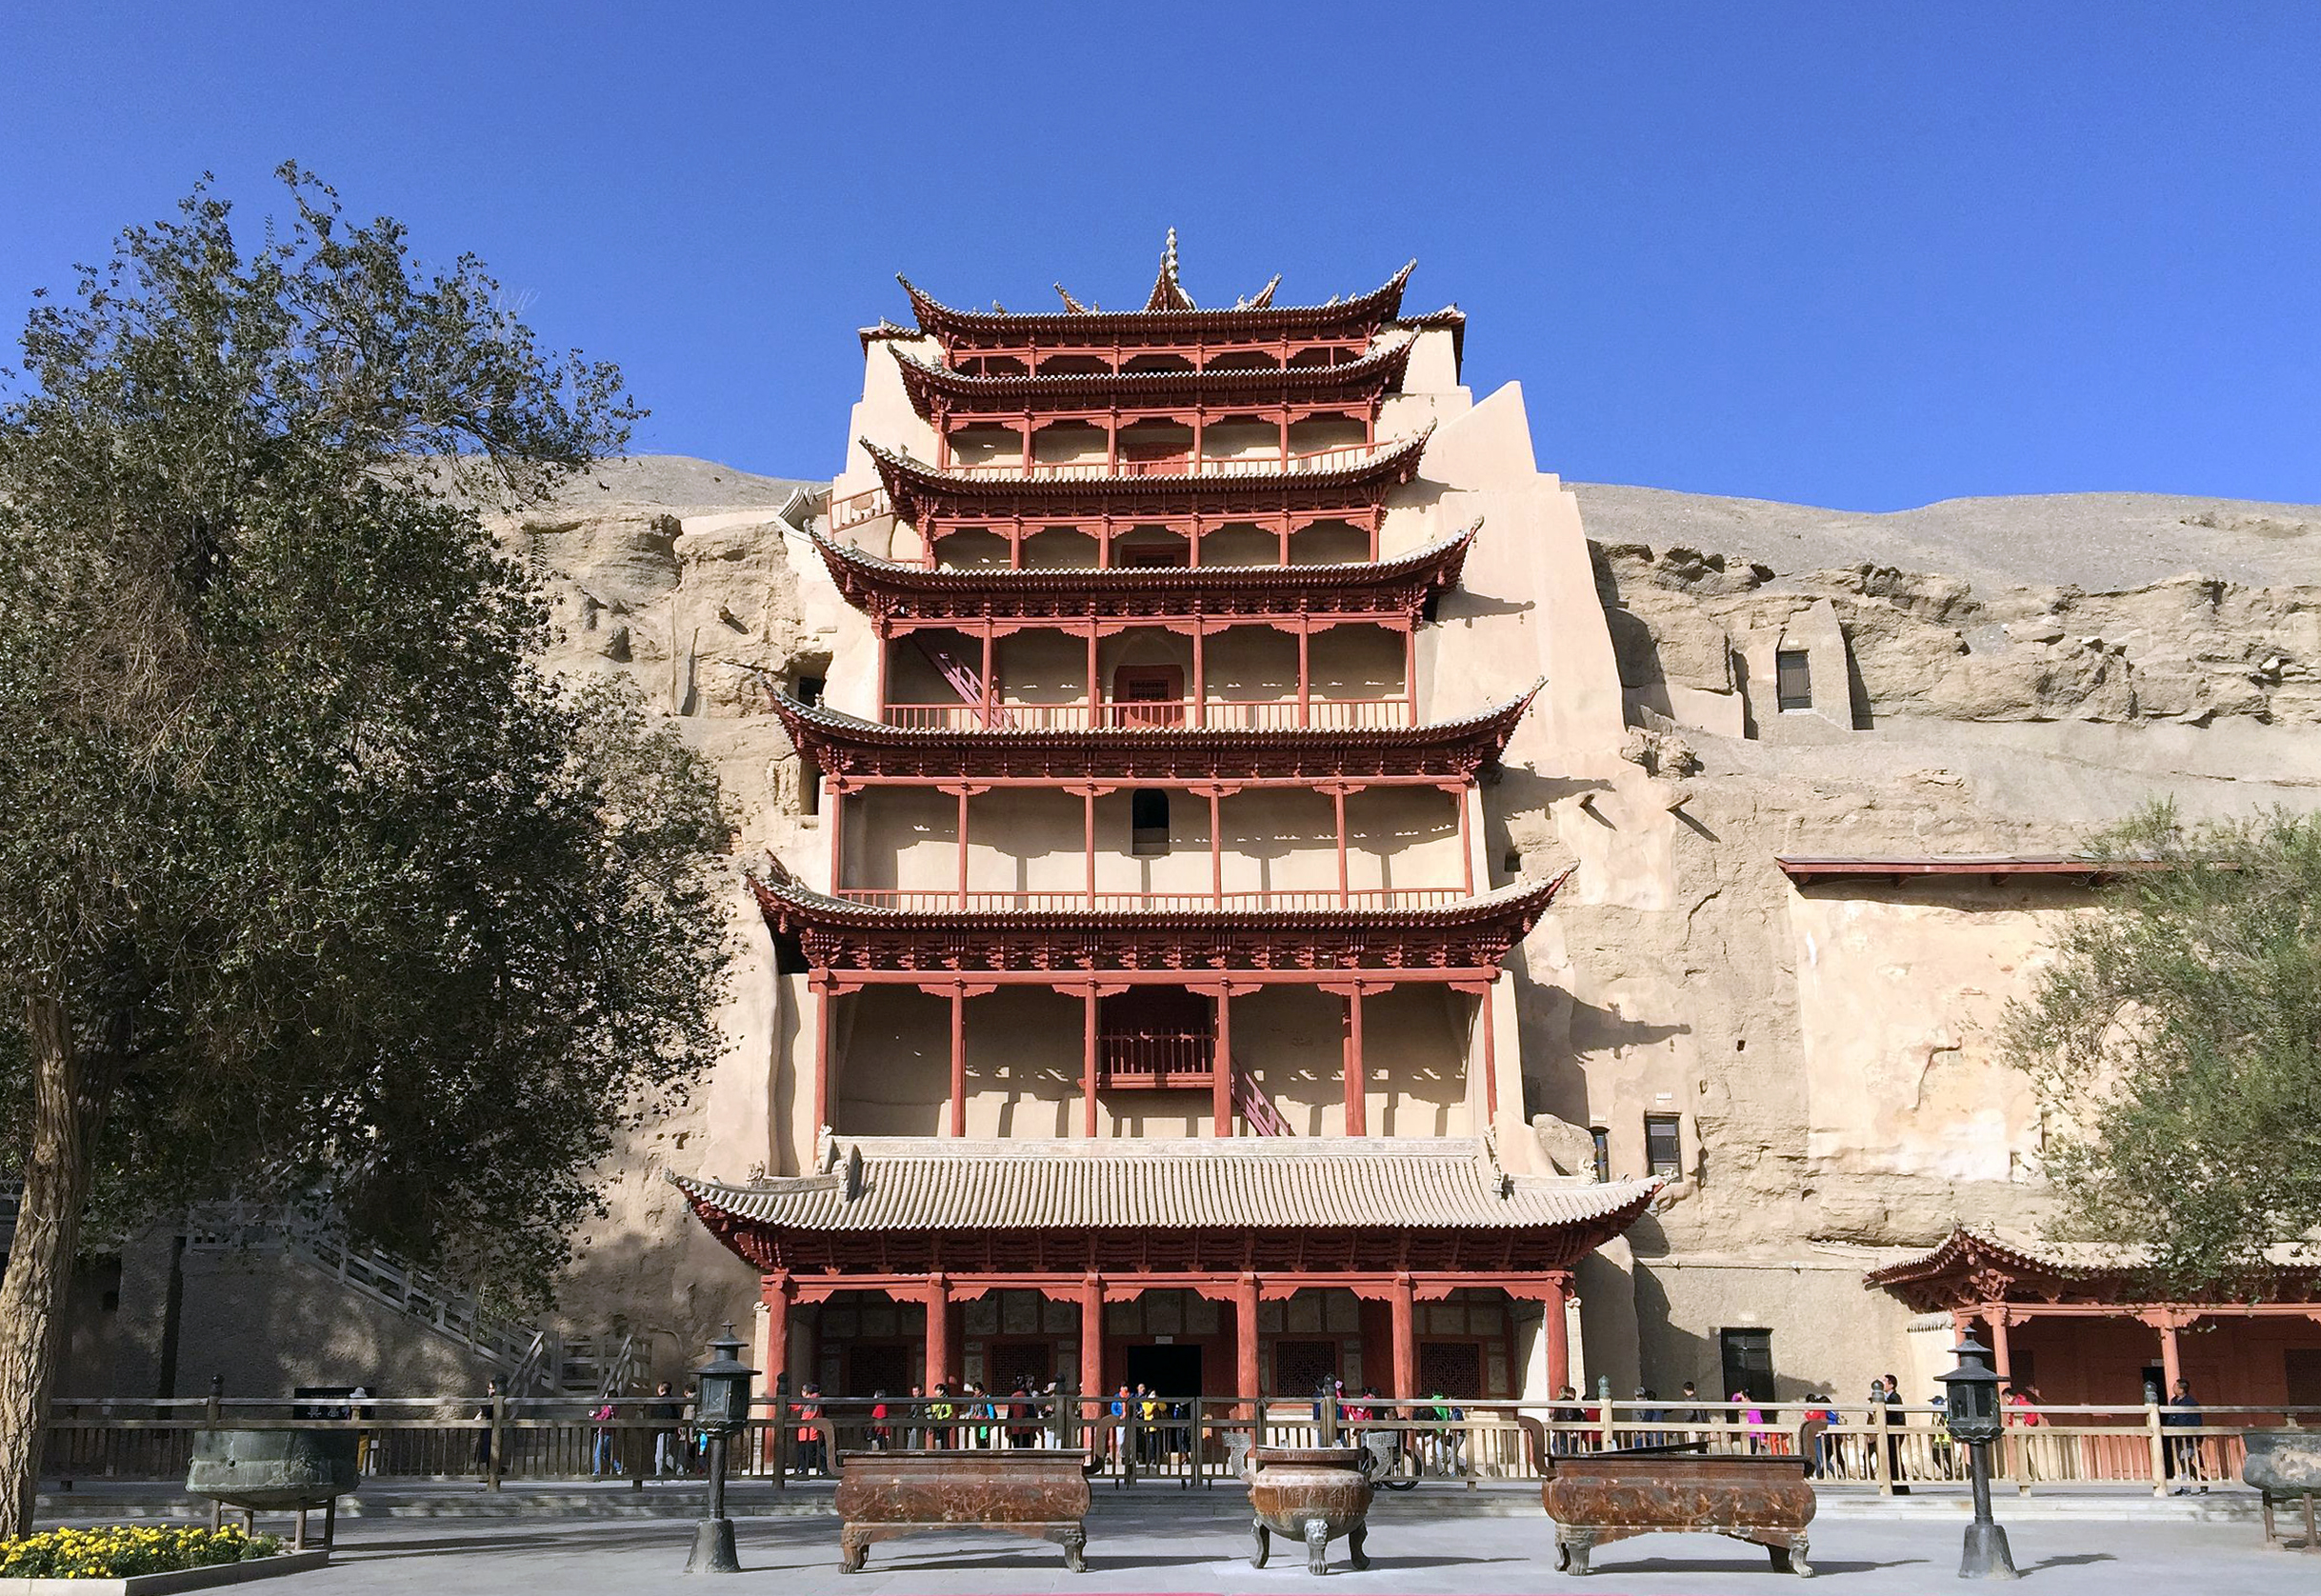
(1029, 1364)
(874, 1366)
(1170, 1372)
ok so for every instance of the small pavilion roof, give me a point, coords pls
(1972, 1266)
(848, 745)
(899, 587)
(919, 1183)
(907, 478)
(1165, 315)
(1378, 369)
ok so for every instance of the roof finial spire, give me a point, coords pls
(1168, 293)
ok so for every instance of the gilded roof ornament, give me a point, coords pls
(1168, 292)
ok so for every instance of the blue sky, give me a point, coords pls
(1864, 255)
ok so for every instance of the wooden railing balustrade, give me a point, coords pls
(542, 1438)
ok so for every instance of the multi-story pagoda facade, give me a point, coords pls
(1157, 1023)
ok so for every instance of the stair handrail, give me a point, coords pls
(1256, 1107)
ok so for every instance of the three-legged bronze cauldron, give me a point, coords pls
(1315, 1494)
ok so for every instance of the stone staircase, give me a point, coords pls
(532, 1361)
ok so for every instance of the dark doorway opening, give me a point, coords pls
(1169, 1371)
(1025, 1363)
(1749, 1364)
(874, 1367)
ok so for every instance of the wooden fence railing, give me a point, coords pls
(1465, 1443)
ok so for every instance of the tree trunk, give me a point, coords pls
(67, 1108)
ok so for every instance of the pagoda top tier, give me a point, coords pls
(1168, 316)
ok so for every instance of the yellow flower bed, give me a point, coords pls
(118, 1551)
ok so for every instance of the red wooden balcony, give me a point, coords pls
(1287, 715)
(937, 901)
(1154, 1060)
(1269, 463)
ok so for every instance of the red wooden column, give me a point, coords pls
(1087, 1066)
(2001, 1362)
(1409, 674)
(1245, 1343)
(1488, 1042)
(1558, 1334)
(1096, 687)
(824, 998)
(958, 1059)
(885, 643)
(1215, 792)
(1092, 1338)
(990, 642)
(1491, 1053)
(939, 1332)
(1200, 676)
(1337, 791)
(1406, 1339)
(1305, 656)
(835, 806)
(2172, 1367)
(1358, 1076)
(961, 791)
(1221, 1068)
(1088, 792)
(1466, 852)
(775, 1290)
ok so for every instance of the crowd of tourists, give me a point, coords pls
(1138, 1425)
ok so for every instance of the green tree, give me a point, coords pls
(2175, 1041)
(313, 887)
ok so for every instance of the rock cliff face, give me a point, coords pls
(2191, 649)
(1830, 1055)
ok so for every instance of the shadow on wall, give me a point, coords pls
(269, 1321)
(1668, 1354)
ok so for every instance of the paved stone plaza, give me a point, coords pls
(1419, 1544)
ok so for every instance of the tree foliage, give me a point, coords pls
(313, 888)
(2175, 1041)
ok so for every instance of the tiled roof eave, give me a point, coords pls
(780, 892)
(1257, 1184)
(852, 728)
(1442, 561)
(1382, 303)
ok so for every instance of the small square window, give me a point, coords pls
(1603, 1152)
(1793, 679)
(1664, 1152)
